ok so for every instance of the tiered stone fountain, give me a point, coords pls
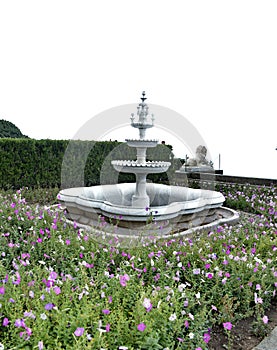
(140, 167)
(141, 208)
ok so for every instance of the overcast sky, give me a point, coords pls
(213, 62)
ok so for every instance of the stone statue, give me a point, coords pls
(199, 163)
(200, 158)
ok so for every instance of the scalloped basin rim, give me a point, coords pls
(168, 201)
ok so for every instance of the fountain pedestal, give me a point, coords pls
(140, 199)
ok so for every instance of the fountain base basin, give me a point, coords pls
(172, 209)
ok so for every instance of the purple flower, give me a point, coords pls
(108, 326)
(29, 314)
(57, 290)
(6, 322)
(2, 290)
(49, 306)
(106, 311)
(18, 279)
(123, 279)
(19, 323)
(28, 331)
(79, 331)
(40, 345)
(227, 325)
(53, 275)
(206, 337)
(141, 327)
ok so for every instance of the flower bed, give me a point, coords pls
(60, 289)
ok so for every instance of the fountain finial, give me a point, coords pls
(143, 98)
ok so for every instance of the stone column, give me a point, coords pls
(140, 199)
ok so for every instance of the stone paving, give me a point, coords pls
(269, 343)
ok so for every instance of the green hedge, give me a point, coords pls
(63, 163)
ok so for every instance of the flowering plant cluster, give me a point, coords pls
(61, 289)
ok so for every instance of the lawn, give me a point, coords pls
(61, 289)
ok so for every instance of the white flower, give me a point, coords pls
(43, 316)
(146, 303)
(191, 335)
(191, 316)
(181, 287)
(2, 346)
(172, 317)
(179, 264)
(159, 303)
(123, 348)
(197, 295)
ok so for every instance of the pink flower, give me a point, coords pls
(206, 337)
(227, 325)
(147, 304)
(57, 290)
(108, 326)
(123, 279)
(6, 322)
(53, 275)
(79, 331)
(141, 327)
(2, 290)
(106, 311)
(265, 319)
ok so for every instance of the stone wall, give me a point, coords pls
(182, 178)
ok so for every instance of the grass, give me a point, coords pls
(61, 289)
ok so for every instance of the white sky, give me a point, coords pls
(62, 62)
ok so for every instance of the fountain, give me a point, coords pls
(143, 208)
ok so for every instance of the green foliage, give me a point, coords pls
(8, 129)
(52, 163)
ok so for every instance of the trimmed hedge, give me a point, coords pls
(55, 163)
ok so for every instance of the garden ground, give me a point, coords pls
(61, 289)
